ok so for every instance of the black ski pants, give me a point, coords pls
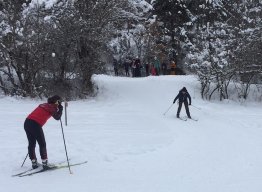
(186, 107)
(34, 132)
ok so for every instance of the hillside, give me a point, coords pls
(131, 146)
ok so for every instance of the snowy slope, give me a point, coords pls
(132, 147)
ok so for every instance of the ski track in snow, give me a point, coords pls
(131, 146)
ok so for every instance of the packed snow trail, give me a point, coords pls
(132, 147)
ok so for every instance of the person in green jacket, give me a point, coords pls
(157, 65)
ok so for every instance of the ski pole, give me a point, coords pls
(196, 107)
(24, 160)
(168, 109)
(65, 147)
(66, 113)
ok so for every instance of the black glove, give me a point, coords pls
(60, 107)
(174, 101)
(189, 104)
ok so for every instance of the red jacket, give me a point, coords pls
(43, 112)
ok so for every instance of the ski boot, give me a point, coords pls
(34, 163)
(46, 165)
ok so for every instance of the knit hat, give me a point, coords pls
(53, 99)
(184, 89)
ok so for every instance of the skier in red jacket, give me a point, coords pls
(33, 128)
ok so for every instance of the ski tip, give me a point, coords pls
(194, 119)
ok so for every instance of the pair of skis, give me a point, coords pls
(40, 169)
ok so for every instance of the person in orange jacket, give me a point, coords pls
(173, 68)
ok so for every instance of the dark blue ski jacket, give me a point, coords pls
(182, 97)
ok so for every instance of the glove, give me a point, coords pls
(174, 101)
(60, 107)
(189, 104)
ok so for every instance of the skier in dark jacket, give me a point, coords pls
(33, 128)
(183, 97)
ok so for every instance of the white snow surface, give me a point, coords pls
(131, 146)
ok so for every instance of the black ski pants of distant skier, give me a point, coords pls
(35, 133)
(186, 107)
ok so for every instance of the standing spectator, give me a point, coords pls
(157, 65)
(172, 68)
(164, 68)
(127, 65)
(115, 64)
(138, 67)
(147, 69)
(153, 70)
(133, 66)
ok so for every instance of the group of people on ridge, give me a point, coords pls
(138, 69)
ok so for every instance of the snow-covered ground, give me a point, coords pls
(131, 146)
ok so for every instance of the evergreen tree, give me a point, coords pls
(174, 16)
